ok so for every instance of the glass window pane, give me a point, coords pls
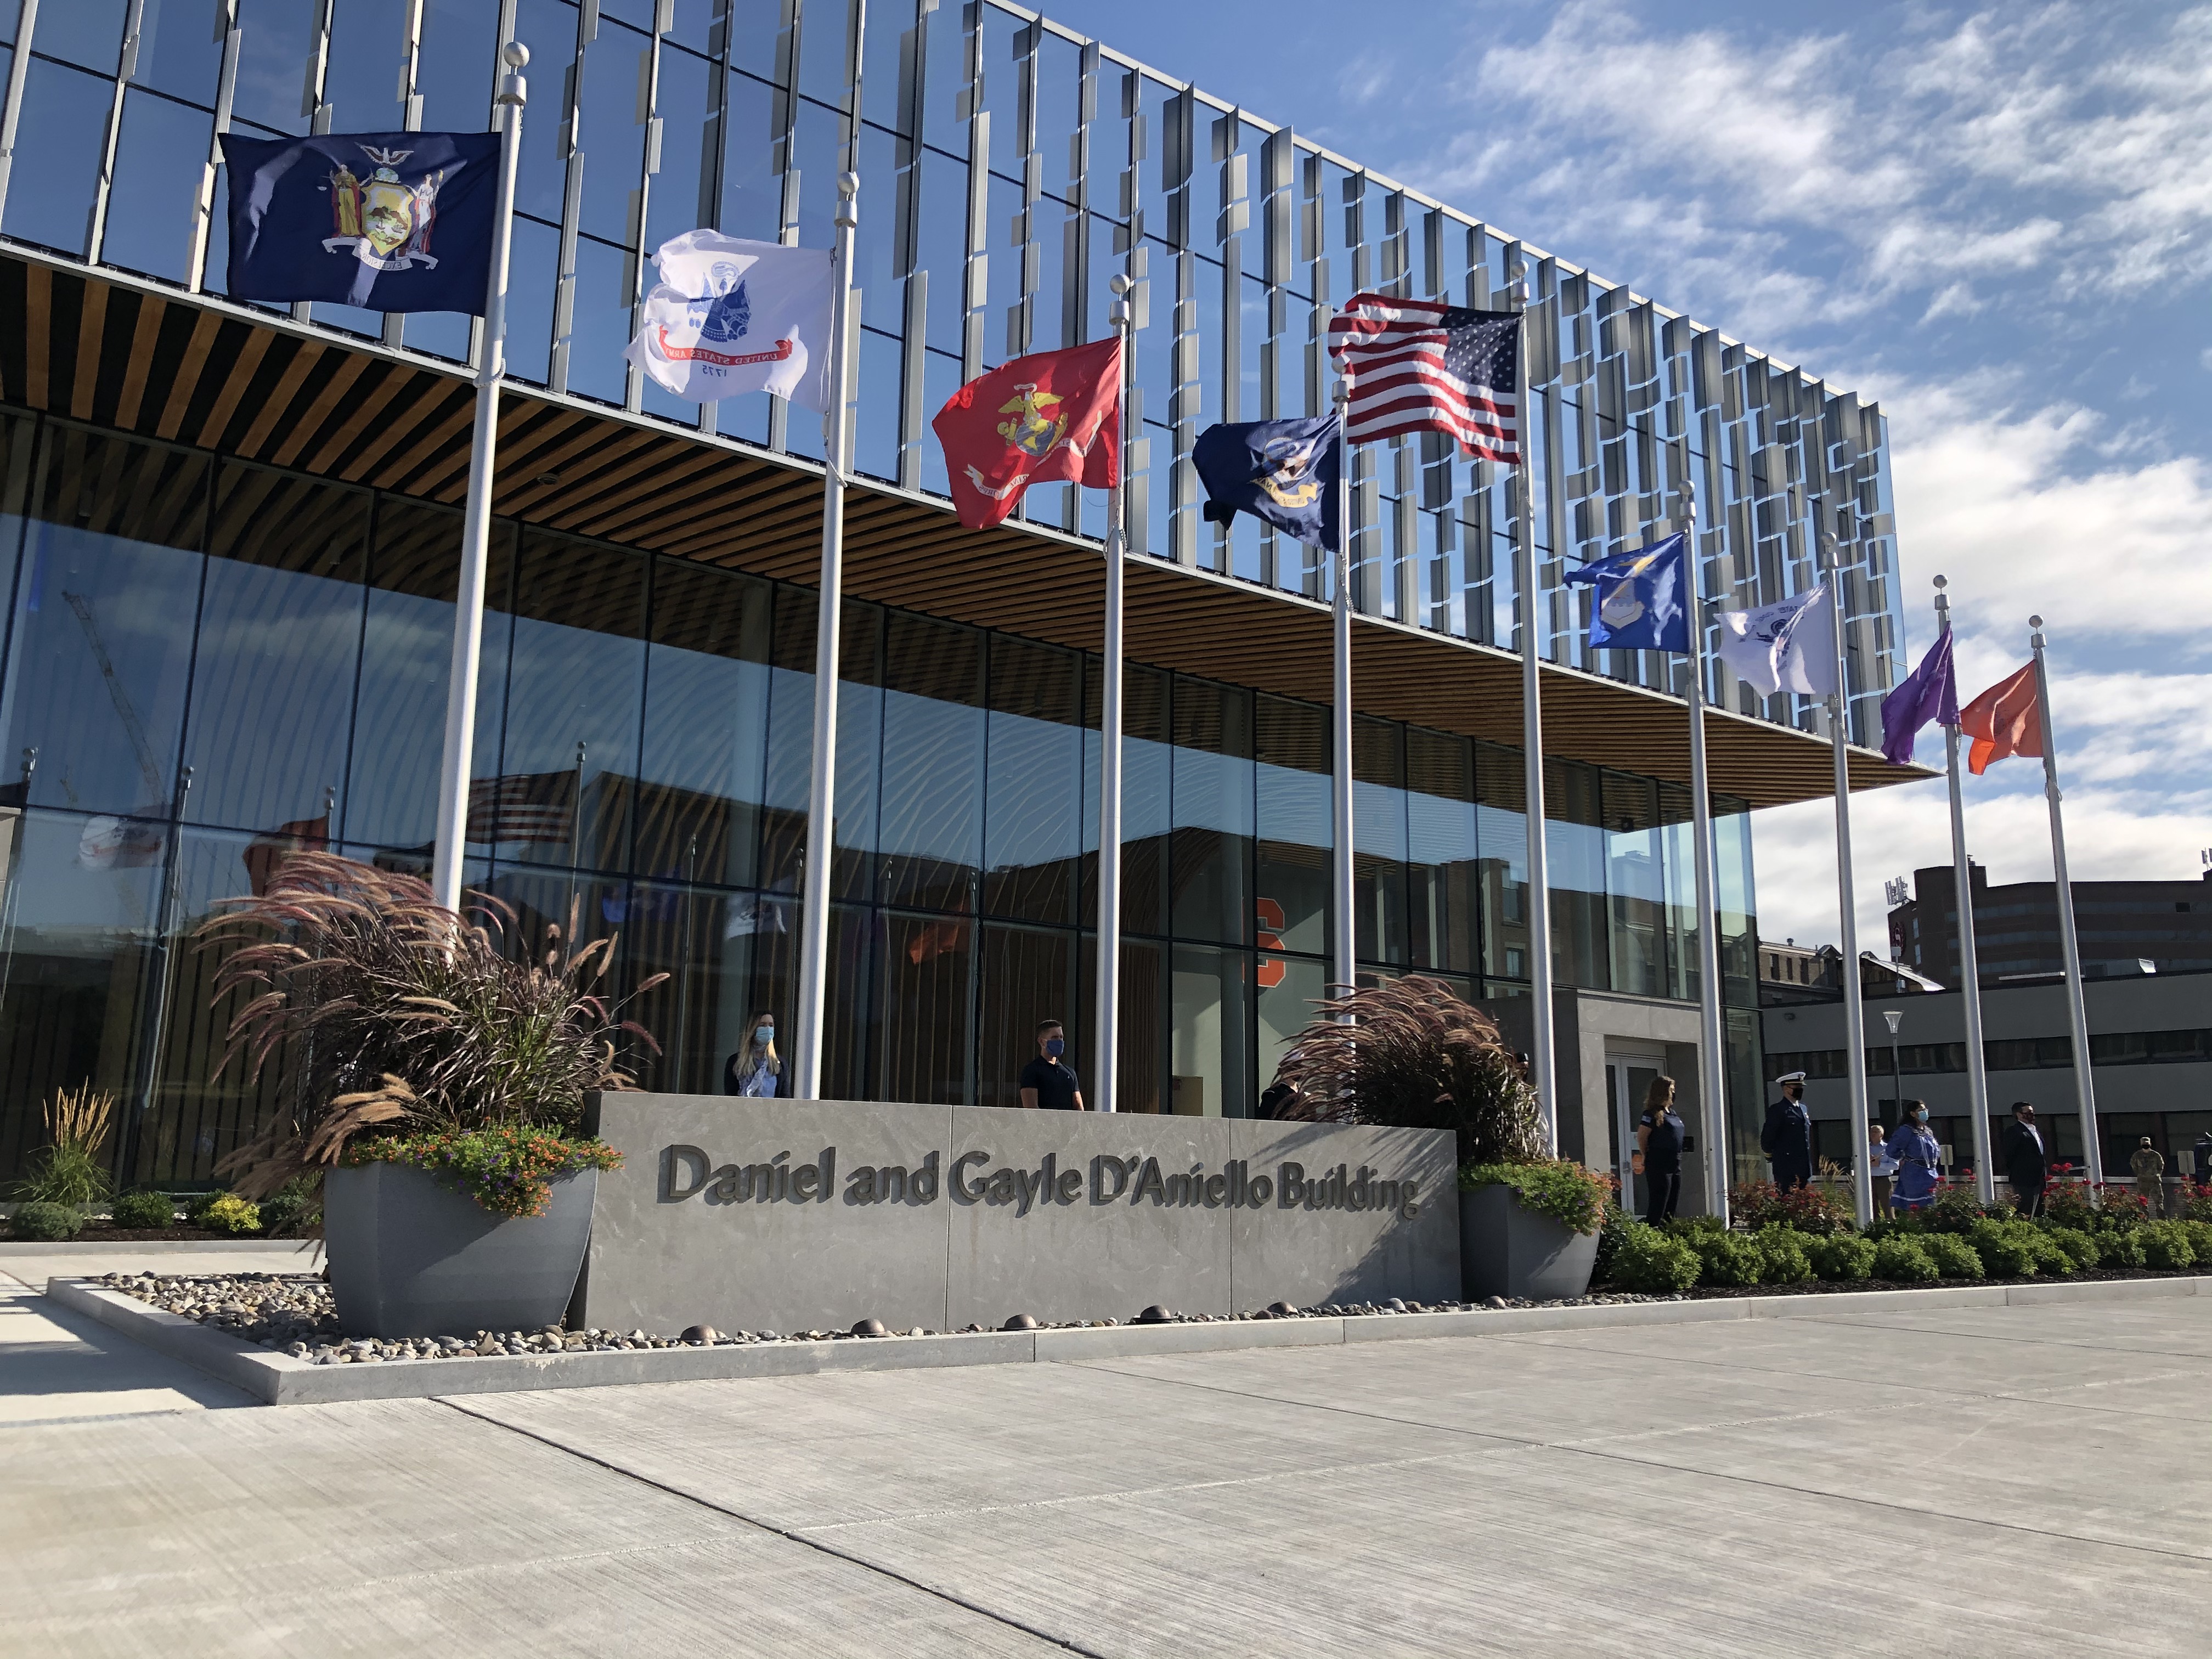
(1574, 852)
(280, 631)
(1378, 843)
(876, 435)
(96, 670)
(178, 51)
(1294, 821)
(673, 201)
(941, 247)
(1027, 975)
(153, 208)
(86, 33)
(1209, 1065)
(1289, 988)
(361, 84)
(707, 943)
(822, 51)
(407, 654)
(600, 324)
(889, 46)
(1033, 825)
(946, 60)
(1213, 804)
(1443, 870)
(612, 135)
(275, 38)
(76, 935)
(458, 69)
(877, 255)
(753, 189)
(534, 272)
(706, 725)
(925, 1040)
(59, 141)
(933, 763)
(547, 27)
(568, 757)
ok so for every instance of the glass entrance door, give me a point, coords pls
(1627, 1078)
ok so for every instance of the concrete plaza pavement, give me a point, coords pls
(1960, 1480)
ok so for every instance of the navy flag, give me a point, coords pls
(1640, 599)
(1281, 471)
(387, 221)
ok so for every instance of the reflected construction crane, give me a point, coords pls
(156, 797)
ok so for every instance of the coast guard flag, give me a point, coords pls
(1930, 692)
(387, 221)
(1052, 417)
(1639, 598)
(1282, 473)
(729, 316)
(1783, 646)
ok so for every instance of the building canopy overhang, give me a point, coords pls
(120, 352)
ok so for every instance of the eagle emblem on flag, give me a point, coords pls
(383, 220)
(1038, 422)
(1288, 472)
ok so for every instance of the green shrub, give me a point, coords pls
(1781, 1255)
(2008, 1252)
(47, 1222)
(231, 1215)
(1652, 1264)
(1954, 1257)
(69, 1174)
(2200, 1240)
(2166, 1246)
(1903, 1261)
(2082, 1251)
(2050, 1256)
(1558, 1187)
(2121, 1249)
(1842, 1258)
(293, 1210)
(1954, 1209)
(144, 1210)
(1610, 1236)
(1727, 1258)
(196, 1205)
(1693, 1227)
(1814, 1211)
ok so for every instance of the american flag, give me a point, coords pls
(1423, 366)
(527, 806)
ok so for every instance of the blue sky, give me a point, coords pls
(1997, 221)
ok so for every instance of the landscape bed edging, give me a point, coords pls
(278, 1379)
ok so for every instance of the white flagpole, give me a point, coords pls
(2085, 1086)
(1970, 967)
(1854, 986)
(1540, 1043)
(1106, 1063)
(1344, 896)
(829, 620)
(451, 846)
(1712, 1073)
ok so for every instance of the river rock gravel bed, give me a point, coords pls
(293, 1314)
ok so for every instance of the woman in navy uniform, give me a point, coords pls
(1787, 1138)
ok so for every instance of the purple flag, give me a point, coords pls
(1929, 693)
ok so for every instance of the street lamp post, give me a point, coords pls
(1894, 1018)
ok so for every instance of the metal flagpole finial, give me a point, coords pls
(1120, 284)
(512, 89)
(1941, 582)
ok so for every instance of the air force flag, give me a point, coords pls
(730, 316)
(1281, 471)
(387, 221)
(1639, 598)
(1787, 646)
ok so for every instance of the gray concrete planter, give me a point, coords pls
(1505, 1250)
(412, 1256)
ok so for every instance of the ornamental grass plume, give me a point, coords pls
(1417, 1056)
(379, 1006)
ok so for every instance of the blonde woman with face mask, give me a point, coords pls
(755, 1070)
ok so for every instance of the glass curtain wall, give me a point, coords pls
(1008, 169)
(209, 663)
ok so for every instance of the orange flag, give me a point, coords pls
(1052, 417)
(2003, 721)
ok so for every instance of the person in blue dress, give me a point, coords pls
(1919, 1159)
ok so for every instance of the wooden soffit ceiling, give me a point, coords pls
(122, 353)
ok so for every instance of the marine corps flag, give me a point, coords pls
(1055, 418)
(387, 221)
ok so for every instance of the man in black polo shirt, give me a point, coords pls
(1048, 1081)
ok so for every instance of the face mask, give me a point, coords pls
(1920, 1117)
(763, 1034)
(1055, 1047)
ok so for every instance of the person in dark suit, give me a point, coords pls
(2026, 1159)
(1787, 1137)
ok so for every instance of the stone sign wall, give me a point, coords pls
(795, 1215)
